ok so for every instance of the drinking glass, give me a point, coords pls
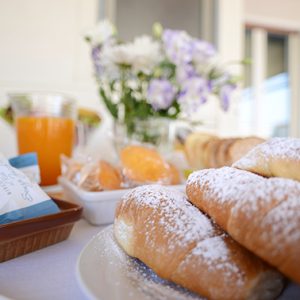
(45, 124)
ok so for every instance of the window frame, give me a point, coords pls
(259, 31)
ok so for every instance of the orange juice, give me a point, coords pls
(49, 137)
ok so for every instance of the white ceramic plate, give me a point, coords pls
(98, 207)
(105, 272)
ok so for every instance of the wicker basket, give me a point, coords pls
(22, 237)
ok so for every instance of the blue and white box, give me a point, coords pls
(21, 198)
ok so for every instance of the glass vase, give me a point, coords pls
(153, 132)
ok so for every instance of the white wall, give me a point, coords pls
(42, 47)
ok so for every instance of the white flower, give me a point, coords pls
(120, 54)
(205, 67)
(142, 54)
(133, 84)
(190, 73)
(101, 33)
(107, 69)
(147, 54)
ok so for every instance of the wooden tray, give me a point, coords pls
(22, 237)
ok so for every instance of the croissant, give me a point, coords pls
(161, 228)
(278, 157)
(261, 214)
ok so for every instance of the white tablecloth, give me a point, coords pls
(48, 273)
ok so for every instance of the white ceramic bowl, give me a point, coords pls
(98, 207)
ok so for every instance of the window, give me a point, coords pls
(267, 103)
(276, 102)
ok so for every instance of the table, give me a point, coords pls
(48, 273)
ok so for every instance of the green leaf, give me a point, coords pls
(247, 61)
(112, 107)
(167, 69)
(167, 113)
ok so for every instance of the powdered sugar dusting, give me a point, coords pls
(227, 184)
(120, 274)
(176, 215)
(183, 224)
(212, 249)
(282, 147)
(248, 193)
(283, 223)
(116, 273)
(216, 253)
(279, 148)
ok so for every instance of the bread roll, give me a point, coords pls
(222, 153)
(194, 148)
(161, 228)
(210, 149)
(261, 214)
(207, 151)
(241, 147)
(278, 157)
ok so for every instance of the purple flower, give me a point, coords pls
(177, 45)
(182, 49)
(194, 92)
(161, 93)
(202, 51)
(225, 95)
(184, 72)
(103, 66)
(96, 51)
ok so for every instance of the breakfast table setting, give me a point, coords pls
(171, 209)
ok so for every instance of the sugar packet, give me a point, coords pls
(21, 198)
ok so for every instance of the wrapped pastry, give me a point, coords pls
(144, 165)
(91, 175)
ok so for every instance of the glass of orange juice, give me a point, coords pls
(45, 124)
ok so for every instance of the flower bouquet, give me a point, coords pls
(167, 75)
